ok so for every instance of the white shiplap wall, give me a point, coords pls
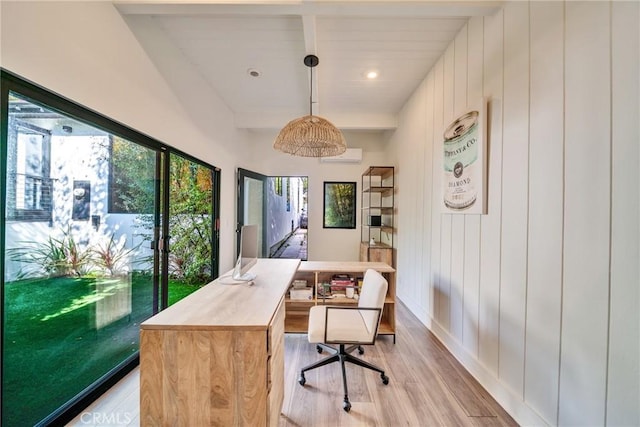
(539, 298)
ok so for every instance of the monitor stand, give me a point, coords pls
(246, 277)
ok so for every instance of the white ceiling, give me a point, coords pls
(223, 40)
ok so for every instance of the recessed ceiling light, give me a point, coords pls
(253, 72)
(372, 74)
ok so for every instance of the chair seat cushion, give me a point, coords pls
(346, 325)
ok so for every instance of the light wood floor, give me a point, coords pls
(427, 387)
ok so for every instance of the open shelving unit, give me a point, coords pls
(377, 214)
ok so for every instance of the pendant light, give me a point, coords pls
(310, 136)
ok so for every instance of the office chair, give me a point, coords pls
(348, 325)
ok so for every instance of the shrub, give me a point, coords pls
(111, 257)
(53, 257)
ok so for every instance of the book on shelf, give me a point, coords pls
(340, 281)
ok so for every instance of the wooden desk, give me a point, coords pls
(217, 356)
(314, 272)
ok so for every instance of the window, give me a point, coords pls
(288, 195)
(28, 182)
(131, 178)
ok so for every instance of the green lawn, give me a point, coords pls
(61, 335)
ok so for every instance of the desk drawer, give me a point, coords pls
(276, 329)
(275, 368)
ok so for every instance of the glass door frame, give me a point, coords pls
(241, 208)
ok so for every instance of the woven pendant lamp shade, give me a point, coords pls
(310, 136)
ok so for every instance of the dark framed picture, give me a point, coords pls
(339, 210)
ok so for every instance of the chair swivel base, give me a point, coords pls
(342, 355)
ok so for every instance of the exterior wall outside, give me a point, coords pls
(68, 155)
(283, 221)
(539, 298)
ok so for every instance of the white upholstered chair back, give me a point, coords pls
(372, 295)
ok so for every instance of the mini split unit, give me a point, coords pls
(352, 155)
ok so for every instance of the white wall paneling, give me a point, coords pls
(546, 191)
(471, 274)
(490, 239)
(410, 181)
(539, 298)
(437, 280)
(418, 175)
(429, 209)
(623, 390)
(585, 312)
(515, 170)
(446, 297)
(403, 175)
(459, 95)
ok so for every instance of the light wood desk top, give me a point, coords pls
(344, 266)
(229, 306)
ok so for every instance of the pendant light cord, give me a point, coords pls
(311, 93)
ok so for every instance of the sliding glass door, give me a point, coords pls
(101, 227)
(192, 246)
(78, 278)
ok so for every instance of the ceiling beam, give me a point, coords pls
(342, 121)
(310, 34)
(381, 8)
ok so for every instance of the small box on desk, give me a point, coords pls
(299, 284)
(301, 294)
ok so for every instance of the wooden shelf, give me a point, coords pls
(385, 210)
(296, 324)
(384, 228)
(300, 302)
(377, 189)
(381, 171)
(385, 328)
(297, 311)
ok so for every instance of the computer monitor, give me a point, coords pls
(248, 254)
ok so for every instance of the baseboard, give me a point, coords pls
(507, 398)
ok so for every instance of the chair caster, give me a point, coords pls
(319, 349)
(346, 405)
(385, 379)
(301, 379)
(360, 350)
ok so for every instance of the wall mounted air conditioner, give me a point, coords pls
(352, 155)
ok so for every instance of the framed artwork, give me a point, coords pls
(464, 163)
(339, 208)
